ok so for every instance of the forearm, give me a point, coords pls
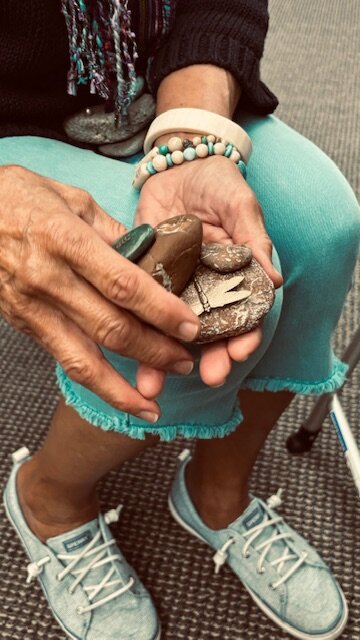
(204, 86)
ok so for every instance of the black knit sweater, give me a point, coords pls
(34, 57)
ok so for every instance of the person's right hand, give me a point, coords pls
(62, 283)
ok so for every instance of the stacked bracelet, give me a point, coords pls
(177, 151)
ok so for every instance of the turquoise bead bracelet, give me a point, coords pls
(177, 151)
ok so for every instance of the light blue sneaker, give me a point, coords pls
(92, 591)
(280, 570)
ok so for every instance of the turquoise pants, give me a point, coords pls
(313, 219)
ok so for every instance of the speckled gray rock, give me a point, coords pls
(173, 257)
(225, 258)
(231, 318)
(94, 126)
(126, 148)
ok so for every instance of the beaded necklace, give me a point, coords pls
(103, 49)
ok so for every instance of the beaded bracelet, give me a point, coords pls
(178, 150)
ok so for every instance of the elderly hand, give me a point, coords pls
(63, 284)
(215, 191)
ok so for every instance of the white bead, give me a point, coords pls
(141, 176)
(211, 138)
(175, 144)
(235, 156)
(177, 156)
(196, 141)
(202, 150)
(219, 149)
(159, 163)
(154, 151)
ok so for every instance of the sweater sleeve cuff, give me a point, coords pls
(222, 51)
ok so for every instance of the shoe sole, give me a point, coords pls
(66, 631)
(335, 633)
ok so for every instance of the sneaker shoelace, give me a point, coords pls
(98, 556)
(265, 546)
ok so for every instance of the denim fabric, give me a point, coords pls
(309, 603)
(313, 219)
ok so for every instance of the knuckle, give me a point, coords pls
(81, 201)
(114, 334)
(80, 371)
(124, 288)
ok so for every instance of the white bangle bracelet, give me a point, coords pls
(198, 121)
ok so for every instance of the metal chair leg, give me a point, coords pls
(303, 439)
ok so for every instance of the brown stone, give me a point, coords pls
(173, 257)
(221, 315)
(225, 258)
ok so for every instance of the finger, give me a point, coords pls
(111, 327)
(82, 204)
(149, 381)
(120, 281)
(241, 347)
(83, 361)
(263, 256)
(215, 364)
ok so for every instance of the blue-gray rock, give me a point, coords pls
(96, 127)
(126, 148)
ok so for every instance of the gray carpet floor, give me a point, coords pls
(311, 59)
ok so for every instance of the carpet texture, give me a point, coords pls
(310, 62)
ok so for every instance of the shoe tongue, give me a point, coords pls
(74, 541)
(254, 515)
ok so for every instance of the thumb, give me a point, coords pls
(262, 252)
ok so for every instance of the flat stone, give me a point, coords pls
(94, 126)
(173, 257)
(133, 244)
(213, 297)
(126, 148)
(225, 258)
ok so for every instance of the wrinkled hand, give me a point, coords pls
(62, 283)
(214, 190)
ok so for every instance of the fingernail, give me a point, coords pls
(148, 416)
(184, 367)
(188, 330)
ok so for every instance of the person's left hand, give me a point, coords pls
(215, 191)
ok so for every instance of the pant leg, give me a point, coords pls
(313, 218)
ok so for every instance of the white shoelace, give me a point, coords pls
(221, 555)
(99, 554)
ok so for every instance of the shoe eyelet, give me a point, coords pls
(58, 577)
(79, 611)
(261, 570)
(246, 554)
(271, 586)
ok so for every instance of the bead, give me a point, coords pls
(196, 141)
(204, 139)
(219, 149)
(202, 150)
(235, 156)
(175, 144)
(211, 148)
(159, 163)
(177, 156)
(187, 143)
(163, 149)
(150, 167)
(242, 167)
(169, 160)
(189, 153)
(228, 150)
(141, 175)
(211, 138)
(136, 242)
(154, 151)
